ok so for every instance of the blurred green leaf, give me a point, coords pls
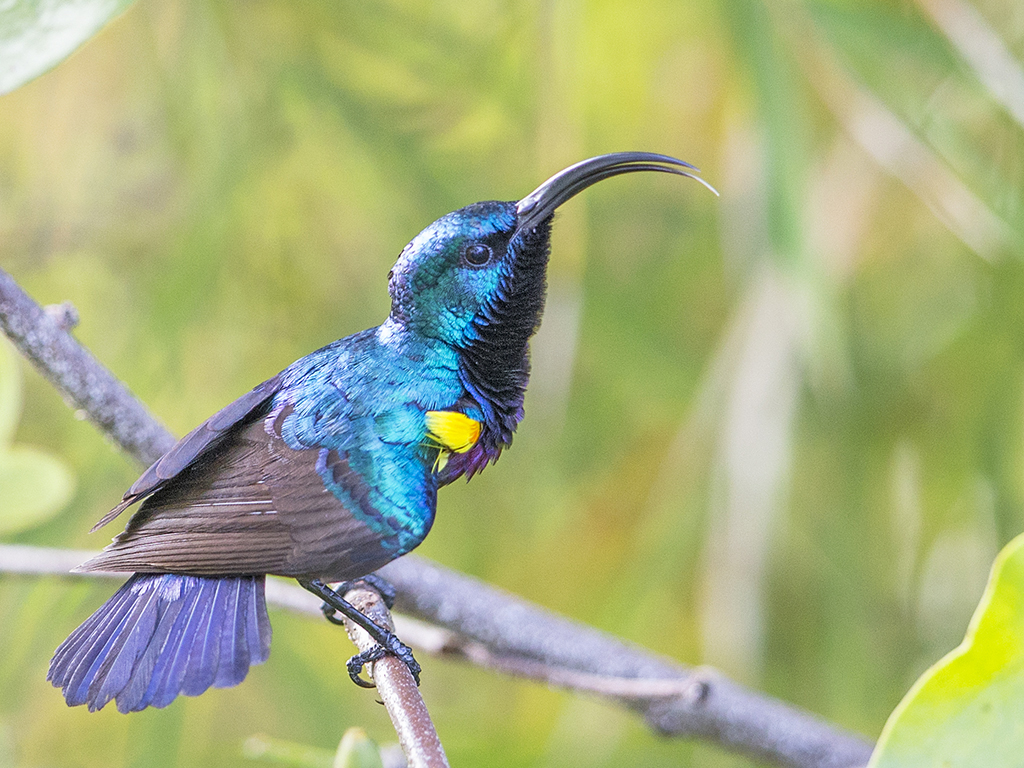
(10, 393)
(281, 752)
(965, 710)
(33, 485)
(783, 126)
(7, 759)
(36, 35)
(357, 750)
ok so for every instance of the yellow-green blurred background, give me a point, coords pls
(780, 432)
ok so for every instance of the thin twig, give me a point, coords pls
(724, 712)
(43, 561)
(397, 688)
(89, 388)
(607, 686)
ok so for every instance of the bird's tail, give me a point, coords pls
(161, 635)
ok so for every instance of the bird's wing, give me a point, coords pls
(253, 504)
(207, 435)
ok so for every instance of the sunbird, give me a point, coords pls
(330, 469)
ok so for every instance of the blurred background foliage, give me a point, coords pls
(780, 432)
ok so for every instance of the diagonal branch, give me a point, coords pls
(490, 627)
(79, 377)
(709, 705)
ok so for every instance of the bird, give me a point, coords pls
(330, 469)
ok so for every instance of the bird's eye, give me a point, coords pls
(477, 254)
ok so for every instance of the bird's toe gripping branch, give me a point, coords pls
(392, 646)
(387, 641)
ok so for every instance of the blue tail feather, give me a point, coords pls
(234, 648)
(113, 664)
(88, 647)
(169, 672)
(201, 668)
(163, 635)
(72, 651)
(251, 632)
(133, 695)
(170, 654)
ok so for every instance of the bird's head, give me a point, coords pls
(460, 265)
(475, 279)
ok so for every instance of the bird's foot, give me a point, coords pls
(356, 663)
(394, 647)
(387, 641)
(331, 614)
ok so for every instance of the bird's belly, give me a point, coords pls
(340, 567)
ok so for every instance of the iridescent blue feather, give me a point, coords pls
(163, 635)
(326, 471)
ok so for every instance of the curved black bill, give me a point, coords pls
(543, 201)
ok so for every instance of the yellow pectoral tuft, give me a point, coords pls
(452, 432)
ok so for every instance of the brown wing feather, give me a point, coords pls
(252, 506)
(203, 438)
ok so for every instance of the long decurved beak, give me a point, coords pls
(543, 201)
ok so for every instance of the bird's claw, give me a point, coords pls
(387, 642)
(404, 653)
(394, 647)
(356, 663)
(331, 614)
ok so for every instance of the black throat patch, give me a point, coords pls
(495, 361)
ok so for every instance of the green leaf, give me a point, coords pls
(33, 488)
(965, 710)
(281, 752)
(36, 35)
(10, 393)
(357, 750)
(33, 485)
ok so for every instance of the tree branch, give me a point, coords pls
(79, 377)
(705, 703)
(490, 626)
(397, 688)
